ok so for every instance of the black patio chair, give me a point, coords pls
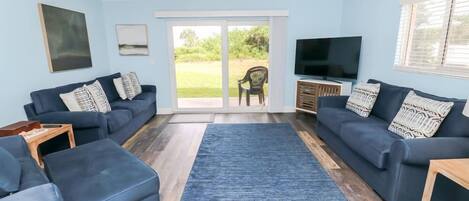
(257, 77)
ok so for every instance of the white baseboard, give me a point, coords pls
(165, 111)
(286, 109)
(289, 109)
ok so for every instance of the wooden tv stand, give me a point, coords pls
(308, 91)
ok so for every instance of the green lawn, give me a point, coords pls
(204, 79)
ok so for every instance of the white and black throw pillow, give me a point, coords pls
(363, 98)
(120, 88)
(131, 84)
(419, 117)
(99, 96)
(135, 83)
(79, 100)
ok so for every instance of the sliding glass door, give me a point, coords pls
(219, 66)
(198, 66)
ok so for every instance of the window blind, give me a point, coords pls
(434, 35)
(428, 32)
(457, 50)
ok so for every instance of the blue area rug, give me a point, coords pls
(257, 162)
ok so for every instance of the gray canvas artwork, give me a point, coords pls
(66, 37)
(132, 39)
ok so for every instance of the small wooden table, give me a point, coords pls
(38, 136)
(455, 169)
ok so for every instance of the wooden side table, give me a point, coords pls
(38, 136)
(455, 169)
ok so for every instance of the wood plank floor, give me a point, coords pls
(171, 150)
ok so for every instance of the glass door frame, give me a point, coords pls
(224, 24)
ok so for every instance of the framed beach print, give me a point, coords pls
(132, 39)
(65, 37)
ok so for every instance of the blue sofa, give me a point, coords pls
(394, 167)
(120, 124)
(97, 171)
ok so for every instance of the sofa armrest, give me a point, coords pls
(44, 192)
(15, 145)
(149, 88)
(77, 119)
(332, 101)
(421, 151)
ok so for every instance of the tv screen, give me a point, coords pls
(328, 57)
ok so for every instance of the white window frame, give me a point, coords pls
(438, 70)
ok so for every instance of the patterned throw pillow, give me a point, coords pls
(135, 83)
(99, 96)
(120, 88)
(419, 117)
(131, 84)
(363, 98)
(79, 100)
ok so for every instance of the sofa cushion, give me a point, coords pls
(31, 174)
(101, 170)
(108, 86)
(334, 118)
(45, 192)
(371, 141)
(455, 124)
(47, 100)
(389, 100)
(10, 173)
(135, 106)
(116, 119)
(147, 96)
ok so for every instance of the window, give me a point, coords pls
(434, 37)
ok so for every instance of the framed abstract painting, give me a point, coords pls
(66, 38)
(132, 39)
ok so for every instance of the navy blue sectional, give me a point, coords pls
(120, 124)
(394, 167)
(97, 171)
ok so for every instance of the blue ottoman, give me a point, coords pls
(101, 170)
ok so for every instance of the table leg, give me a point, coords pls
(35, 153)
(71, 138)
(429, 184)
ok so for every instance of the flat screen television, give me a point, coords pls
(328, 57)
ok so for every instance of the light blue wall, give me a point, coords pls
(378, 22)
(308, 18)
(23, 63)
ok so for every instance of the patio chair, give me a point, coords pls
(257, 77)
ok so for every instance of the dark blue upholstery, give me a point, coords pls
(45, 192)
(335, 118)
(147, 96)
(47, 100)
(106, 172)
(116, 119)
(372, 142)
(30, 176)
(395, 168)
(135, 106)
(10, 173)
(389, 101)
(98, 171)
(47, 107)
